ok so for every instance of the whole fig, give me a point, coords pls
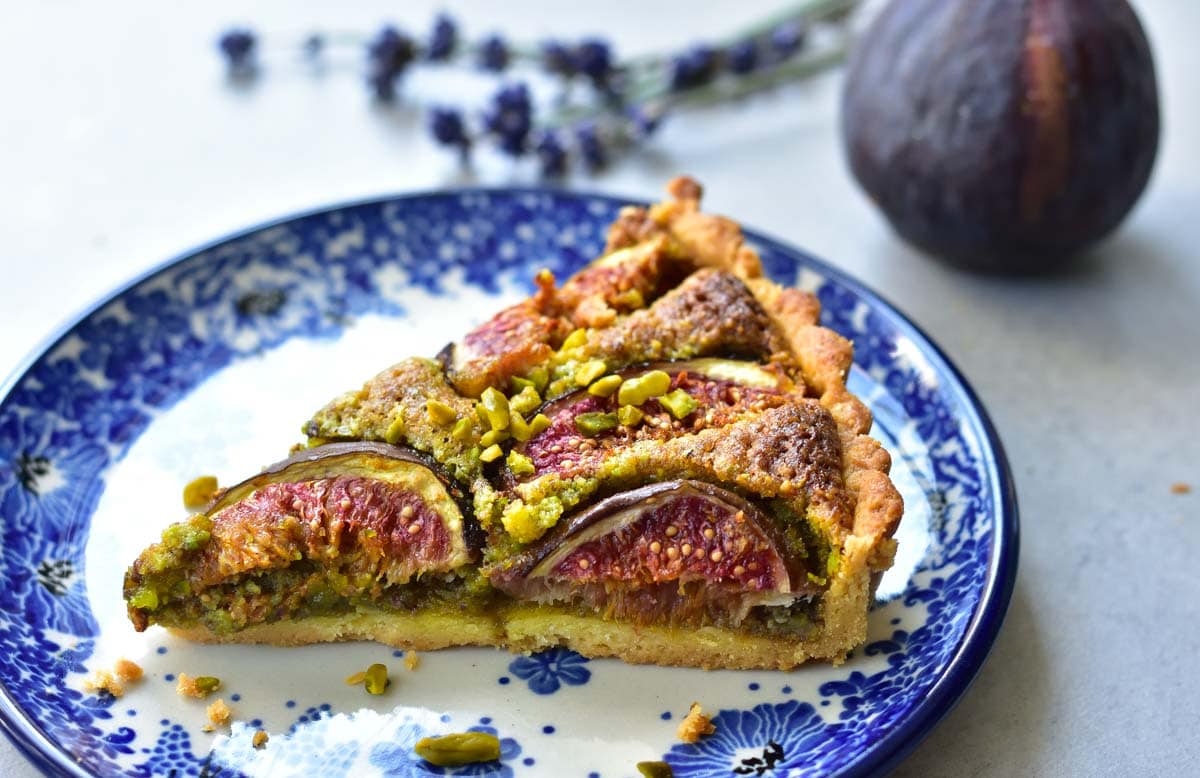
(1002, 134)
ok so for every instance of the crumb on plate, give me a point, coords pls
(695, 725)
(128, 670)
(199, 687)
(1180, 488)
(260, 739)
(219, 715)
(411, 660)
(113, 681)
(104, 681)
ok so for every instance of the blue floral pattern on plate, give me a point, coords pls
(548, 671)
(70, 418)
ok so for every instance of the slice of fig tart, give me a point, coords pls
(657, 460)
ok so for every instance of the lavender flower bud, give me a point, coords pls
(493, 54)
(237, 44)
(443, 39)
(742, 58)
(695, 67)
(591, 148)
(510, 118)
(552, 154)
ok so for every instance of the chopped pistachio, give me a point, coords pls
(833, 562)
(630, 298)
(519, 464)
(206, 684)
(439, 412)
(605, 386)
(482, 414)
(540, 377)
(629, 415)
(356, 678)
(376, 678)
(395, 431)
(315, 441)
(655, 770)
(493, 436)
(519, 427)
(520, 384)
(637, 390)
(589, 371)
(495, 406)
(460, 748)
(539, 424)
(199, 491)
(525, 401)
(190, 535)
(574, 340)
(592, 424)
(491, 453)
(145, 599)
(561, 386)
(679, 403)
(463, 430)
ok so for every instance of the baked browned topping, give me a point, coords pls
(663, 440)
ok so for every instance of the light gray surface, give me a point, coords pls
(121, 145)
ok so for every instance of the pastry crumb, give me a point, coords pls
(104, 681)
(1180, 487)
(260, 739)
(113, 681)
(412, 660)
(695, 725)
(127, 670)
(219, 714)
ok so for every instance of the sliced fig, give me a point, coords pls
(684, 549)
(510, 343)
(722, 390)
(340, 521)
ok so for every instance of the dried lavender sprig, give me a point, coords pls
(810, 11)
(662, 94)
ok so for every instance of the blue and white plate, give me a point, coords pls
(211, 363)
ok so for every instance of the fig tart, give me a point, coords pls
(657, 460)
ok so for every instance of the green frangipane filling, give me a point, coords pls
(394, 407)
(305, 590)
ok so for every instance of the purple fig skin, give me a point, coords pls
(1002, 135)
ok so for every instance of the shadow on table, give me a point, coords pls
(1001, 724)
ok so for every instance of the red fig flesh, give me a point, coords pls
(686, 548)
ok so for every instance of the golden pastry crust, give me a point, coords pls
(824, 356)
(412, 631)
